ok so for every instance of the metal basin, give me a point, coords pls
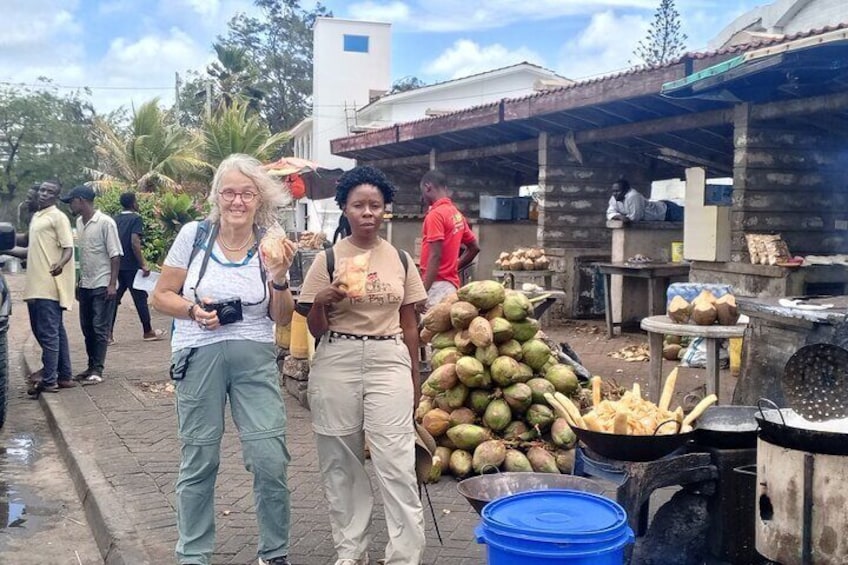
(482, 489)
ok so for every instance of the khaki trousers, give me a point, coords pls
(357, 388)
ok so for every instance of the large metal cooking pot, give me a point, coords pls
(727, 427)
(775, 428)
(631, 448)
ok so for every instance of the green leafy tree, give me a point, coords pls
(406, 83)
(232, 76)
(664, 42)
(279, 42)
(235, 129)
(42, 135)
(154, 153)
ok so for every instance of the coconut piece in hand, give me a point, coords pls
(276, 250)
(353, 274)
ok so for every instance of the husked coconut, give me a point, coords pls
(704, 313)
(679, 309)
(726, 310)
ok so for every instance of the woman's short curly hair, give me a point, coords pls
(363, 174)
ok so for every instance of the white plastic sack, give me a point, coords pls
(696, 354)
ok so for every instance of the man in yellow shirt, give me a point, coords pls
(49, 288)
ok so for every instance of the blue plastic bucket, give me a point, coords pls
(559, 526)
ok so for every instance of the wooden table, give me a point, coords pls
(546, 276)
(658, 326)
(657, 274)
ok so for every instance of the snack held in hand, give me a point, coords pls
(353, 274)
(274, 246)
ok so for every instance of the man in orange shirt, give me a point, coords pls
(447, 243)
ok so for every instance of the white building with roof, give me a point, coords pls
(782, 17)
(351, 79)
(452, 95)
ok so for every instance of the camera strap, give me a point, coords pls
(208, 253)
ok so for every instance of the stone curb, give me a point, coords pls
(114, 533)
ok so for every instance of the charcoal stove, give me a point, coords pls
(637, 480)
(802, 457)
(709, 471)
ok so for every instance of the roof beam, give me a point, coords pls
(525, 146)
(800, 107)
(661, 125)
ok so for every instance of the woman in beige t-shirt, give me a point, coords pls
(364, 376)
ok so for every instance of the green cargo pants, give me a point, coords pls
(246, 372)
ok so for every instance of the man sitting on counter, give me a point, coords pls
(628, 205)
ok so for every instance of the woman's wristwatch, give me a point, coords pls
(190, 311)
(280, 287)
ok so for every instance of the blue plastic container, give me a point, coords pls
(495, 207)
(554, 526)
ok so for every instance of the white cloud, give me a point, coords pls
(449, 15)
(146, 66)
(394, 12)
(203, 7)
(466, 57)
(605, 45)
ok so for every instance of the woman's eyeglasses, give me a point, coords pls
(230, 195)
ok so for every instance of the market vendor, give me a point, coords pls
(447, 243)
(628, 205)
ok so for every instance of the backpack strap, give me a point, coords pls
(203, 227)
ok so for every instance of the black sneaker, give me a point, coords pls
(82, 376)
(284, 560)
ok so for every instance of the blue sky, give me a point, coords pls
(128, 51)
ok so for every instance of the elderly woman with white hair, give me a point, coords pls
(225, 297)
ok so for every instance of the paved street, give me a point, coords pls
(121, 440)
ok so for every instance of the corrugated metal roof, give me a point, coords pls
(734, 49)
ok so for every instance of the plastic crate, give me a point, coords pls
(496, 207)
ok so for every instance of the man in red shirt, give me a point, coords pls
(447, 243)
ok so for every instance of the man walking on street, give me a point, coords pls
(445, 233)
(130, 231)
(49, 288)
(100, 261)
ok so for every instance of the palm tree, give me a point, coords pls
(236, 77)
(237, 129)
(154, 153)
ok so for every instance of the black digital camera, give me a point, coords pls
(229, 310)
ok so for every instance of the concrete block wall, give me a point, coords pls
(467, 181)
(792, 182)
(572, 216)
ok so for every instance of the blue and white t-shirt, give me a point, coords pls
(221, 281)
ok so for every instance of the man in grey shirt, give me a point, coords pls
(628, 205)
(100, 260)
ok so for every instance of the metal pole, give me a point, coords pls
(208, 100)
(807, 525)
(177, 93)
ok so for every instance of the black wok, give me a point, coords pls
(727, 427)
(481, 490)
(631, 448)
(774, 430)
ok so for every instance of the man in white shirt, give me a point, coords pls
(628, 205)
(100, 261)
